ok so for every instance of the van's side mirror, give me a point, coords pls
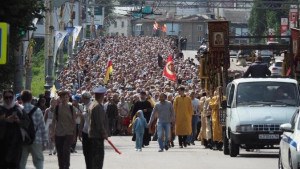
(286, 127)
(224, 104)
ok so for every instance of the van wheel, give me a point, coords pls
(234, 149)
(280, 161)
(226, 144)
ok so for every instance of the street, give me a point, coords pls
(191, 157)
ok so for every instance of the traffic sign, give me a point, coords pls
(3, 42)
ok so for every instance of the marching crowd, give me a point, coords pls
(137, 100)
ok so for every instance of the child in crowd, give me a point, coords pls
(138, 129)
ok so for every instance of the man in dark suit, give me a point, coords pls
(258, 69)
(98, 129)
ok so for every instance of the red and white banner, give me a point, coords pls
(271, 33)
(284, 26)
(169, 70)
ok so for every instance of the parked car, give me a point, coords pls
(289, 152)
(276, 68)
(256, 107)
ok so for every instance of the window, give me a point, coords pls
(231, 94)
(275, 93)
(199, 27)
(199, 38)
(116, 24)
(122, 24)
(138, 27)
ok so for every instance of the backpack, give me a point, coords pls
(56, 111)
(30, 131)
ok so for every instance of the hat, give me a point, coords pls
(100, 90)
(86, 95)
(76, 98)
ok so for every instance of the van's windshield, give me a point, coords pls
(272, 93)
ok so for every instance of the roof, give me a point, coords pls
(236, 16)
(246, 80)
(182, 18)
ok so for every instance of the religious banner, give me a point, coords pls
(284, 26)
(218, 61)
(295, 43)
(58, 38)
(295, 57)
(271, 33)
(76, 32)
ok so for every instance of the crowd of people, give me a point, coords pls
(138, 101)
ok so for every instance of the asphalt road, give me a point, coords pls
(192, 157)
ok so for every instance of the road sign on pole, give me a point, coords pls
(4, 27)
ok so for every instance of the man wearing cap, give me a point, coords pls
(144, 105)
(84, 125)
(183, 112)
(97, 129)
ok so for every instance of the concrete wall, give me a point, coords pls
(119, 29)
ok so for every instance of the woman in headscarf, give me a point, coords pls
(10, 132)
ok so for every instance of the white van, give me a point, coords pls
(256, 107)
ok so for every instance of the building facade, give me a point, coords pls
(192, 27)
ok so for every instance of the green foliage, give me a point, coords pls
(257, 20)
(261, 20)
(65, 58)
(38, 73)
(19, 14)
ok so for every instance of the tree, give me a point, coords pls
(256, 21)
(266, 15)
(19, 14)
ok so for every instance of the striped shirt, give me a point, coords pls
(41, 136)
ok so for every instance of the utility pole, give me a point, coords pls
(93, 35)
(49, 77)
(28, 64)
(46, 42)
(18, 78)
(70, 40)
(86, 20)
(60, 50)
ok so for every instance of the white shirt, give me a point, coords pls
(86, 117)
(195, 103)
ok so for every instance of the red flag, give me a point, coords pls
(169, 70)
(164, 28)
